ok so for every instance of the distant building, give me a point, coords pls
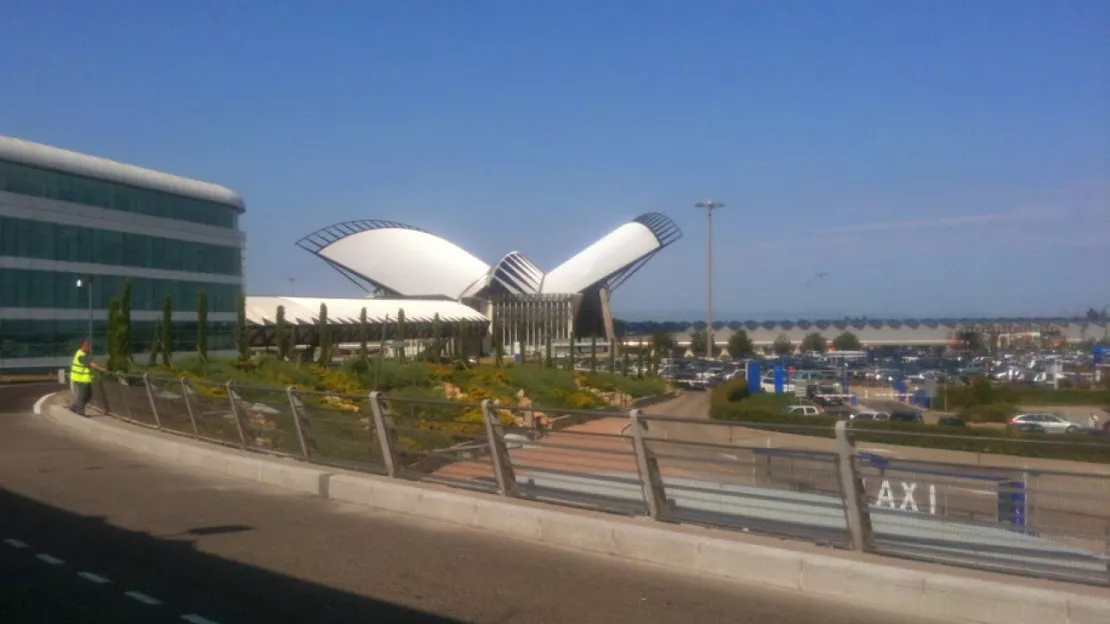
(66, 217)
(876, 333)
(403, 267)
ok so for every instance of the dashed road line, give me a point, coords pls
(193, 618)
(95, 578)
(143, 598)
(48, 558)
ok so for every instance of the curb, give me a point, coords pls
(947, 597)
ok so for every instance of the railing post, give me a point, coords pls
(235, 413)
(856, 511)
(122, 387)
(655, 494)
(498, 451)
(189, 405)
(387, 438)
(153, 403)
(293, 400)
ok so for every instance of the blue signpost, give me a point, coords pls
(754, 373)
(780, 379)
(1011, 502)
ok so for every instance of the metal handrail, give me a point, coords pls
(816, 479)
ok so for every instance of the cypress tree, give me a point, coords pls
(241, 339)
(462, 337)
(612, 357)
(155, 344)
(437, 338)
(323, 335)
(643, 361)
(498, 348)
(125, 320)
(627, 363)
(281, 334)
(381, 347)
(570, 351)
(202, 325)
(401, 334)
(363, 336)
(381, 352)
(166, 327)
(593, 354)
(548, 353)
(114, 334)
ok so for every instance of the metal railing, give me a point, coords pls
(818, 486)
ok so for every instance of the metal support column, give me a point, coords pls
(387, 435)
(655, 494)
(299, 423)
(237, 415)
(856, 511)
(153, 404)
(498, 451)
(189, 405)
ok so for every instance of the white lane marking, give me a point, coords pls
(143, 598)
(196, 619)
(14, 543)
(95, 578)
(42, 399)
(48, 558)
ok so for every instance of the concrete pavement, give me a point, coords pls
(177, 544)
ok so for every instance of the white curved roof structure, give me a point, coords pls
(411, 262)
(615, 257)
(304, 310)
(398, 258)
(57, 159)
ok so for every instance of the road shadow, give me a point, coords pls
(228, 592)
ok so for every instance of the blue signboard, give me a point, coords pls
(754, 373)
(780, 379)
(1100, 354)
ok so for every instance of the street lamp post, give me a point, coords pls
(709, 205)
(89, 283)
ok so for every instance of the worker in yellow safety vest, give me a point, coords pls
(80, 373)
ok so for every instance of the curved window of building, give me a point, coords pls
(25, 238)
(68, 187)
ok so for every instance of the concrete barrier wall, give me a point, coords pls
(933, 593)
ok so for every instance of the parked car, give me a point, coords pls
(951, 421)
(907, 417)
(802, 410)
(870, 415)
(1049, 423)
(824, 395)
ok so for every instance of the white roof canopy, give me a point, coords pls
(305, 310)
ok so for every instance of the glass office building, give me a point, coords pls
(69, 219)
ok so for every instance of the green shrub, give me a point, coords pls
(1017, 394)
(993, 413)
(635, 388)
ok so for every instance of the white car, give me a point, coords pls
(802, 410)
(1051, 423)
(870, 415)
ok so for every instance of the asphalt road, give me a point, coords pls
(92, 533)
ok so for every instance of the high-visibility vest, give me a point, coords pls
(78, 372)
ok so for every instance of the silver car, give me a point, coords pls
(1051, 423)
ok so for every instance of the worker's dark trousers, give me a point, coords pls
(82, 394)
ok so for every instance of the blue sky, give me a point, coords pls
(935, 157)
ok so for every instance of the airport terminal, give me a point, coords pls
(74, 226)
